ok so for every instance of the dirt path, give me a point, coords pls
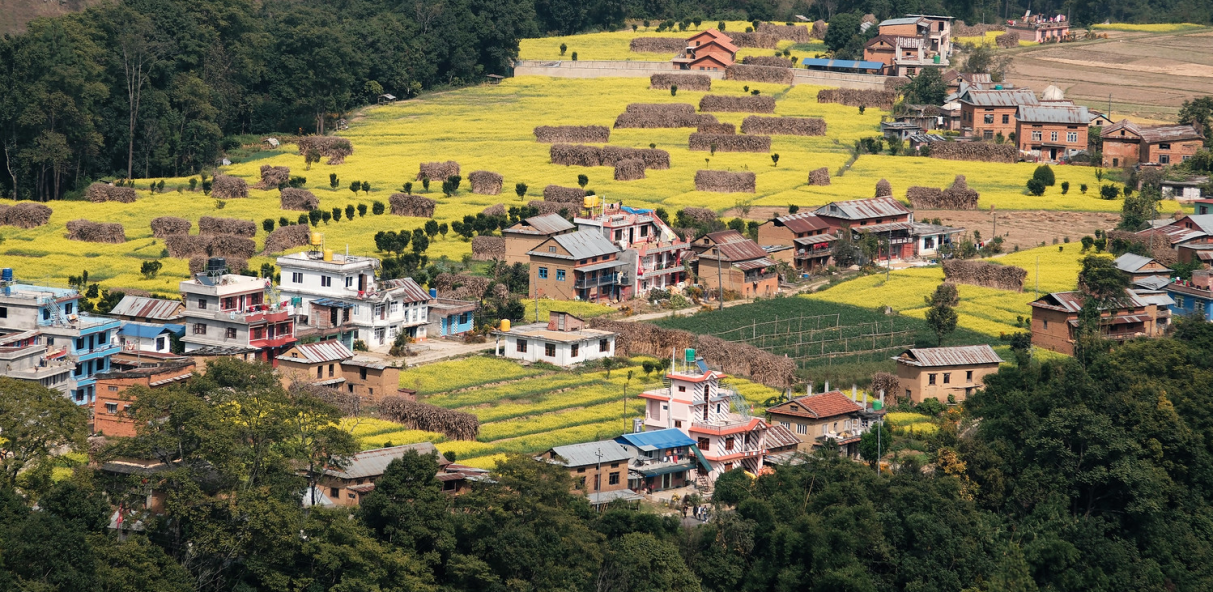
(1025, 228)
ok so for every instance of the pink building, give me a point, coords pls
(653, 252)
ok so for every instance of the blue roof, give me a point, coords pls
(145, 331)
(851, 64)
(332, 303)
(658, 440)
(632, 210)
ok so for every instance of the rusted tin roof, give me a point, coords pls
(148, 308)
(319, 352)
(802, 222)
(860, 209)
(966, 355)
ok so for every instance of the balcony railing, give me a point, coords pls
(601, 280)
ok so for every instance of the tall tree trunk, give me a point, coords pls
(8, 163)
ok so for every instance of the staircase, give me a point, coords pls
(704, 486)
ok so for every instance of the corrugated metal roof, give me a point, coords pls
(921, 228)
(410, 291)
(754, 264)
(148, 308)
(1170, 133)
(321, 351)
(22, 336)
(1053, 114)
(813, 240)
(886, 227)
(858, 209)
(1130, 262)
(780, 437)
(584, 244)
(735, 247)
(143, 330)
(999, 98)
(909, 20)
(372, 463)
(658, 440)
(964, 355)
(1071, 302)
(802, 222)
(549, 223)
(851, 64)
(585, 454)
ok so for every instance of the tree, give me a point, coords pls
(1108, 191)
(334, 182)
(355, 186)
(520, 189)
(408, 187)
(336, 214)
(875, 443)
(608, 364)
(35, 421)
(926, 88)
(1100, 279)
(349, 212)
(408, 506)
(139, 54)
(941, 316)
(366, 187)
(361, 210)
(282, 221)
(775, 159)
(583, 180)
(1044, 174)
(377, 208)
(843, 35)
(267, 225)
(1036, 186)
(314, 216)
(640, 561)
(149, 269)
(1199, 111)
(1139, 209)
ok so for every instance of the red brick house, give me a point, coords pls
(709, 50)
(728, 258)
(1055, 318)
(1127, 143)
(809, 236)
(987, 113)
(1051, 133)
(110, 410)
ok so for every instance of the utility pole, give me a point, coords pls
(1038, 277)
(719, 278)
(537, 303)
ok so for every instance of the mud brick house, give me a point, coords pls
(708, 50)
(1055, 318)
(331, 364)
(985, 114)
(1126, 144)
(863, 212)
(829, 416)
(728, 259)
(599, 469)
(527, 234)
(110, 411)
(946, 374)
(1138, 268)
(350, 485)
(1193, 229)
(581, 265)
(810, 237)
(1051, 133)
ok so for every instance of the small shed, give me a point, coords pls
(495, 78)
(386, 98)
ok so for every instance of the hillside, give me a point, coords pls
(14, 14)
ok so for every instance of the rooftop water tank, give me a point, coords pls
(505, 324)
(328, 254)
(690, 355)
(316, 239)
(6, 274)
(433, 292)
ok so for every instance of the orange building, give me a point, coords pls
(809, 236)
(1055, 318)
(110, 417)
(727, 258)
(987, 113)
(707, 50)
(1126, 144)
(1051, 133)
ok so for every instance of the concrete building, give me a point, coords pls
(331, 364)
(1040, 29)
(111, 416)
(660, 459)
(905, 46)
(565, 341)
(1195, 296)
(984, 114)
(652, 252)
(24, 356)
(946, 374)
(156, 311)
(582, 265)
(599, 469)
(809, 236)
(524, 236)
(827, 417)
(1127, 143)
(1188, 190)
(1051, 133)
(1055, 318)
(224, 310)
(728, 259)
(450, 317)
(137, 338)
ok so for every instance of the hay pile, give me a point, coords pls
(236, 226)
(771, 61)
(494, 210)
(550, 207)
(883, 188)
(960, 29)
(572, 134)
(95, 232)
(405, 204)
(717, 128)
(667, 108)
(456, 425)
(228, 187)
(99, 192)
(733, 358)
(894, 83)
(724, 182)
(273, 177)
(653, 158)
(886, 383)
(851, 97)
(819, 29)
(485, 182)
(450, 285)
(300, 200)
(487, 248)
(959, 196)
(697, 82)
(745, 104)
(657, 45)
(756, 40)
(564, 195)
(700, 216)
(783, 126)
(868, 18)
(653, 120)
(794, 33)
(981, 151)
(984, 273)
(287, 237)
(166, 226)
(819, 176)
(730, 143)
(1161, 251)
(575, 155)
(231, 247)
(331, 147)
(775, 75)
(234, 264)
(25, 215)
(1007, 40)
(437, 171)
(629, 169)
(348, 404)
(184, 246)
(924, 197)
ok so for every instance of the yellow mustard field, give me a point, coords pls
(1149, 28)
(616, 45)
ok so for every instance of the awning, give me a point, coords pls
(332, 303)
(658, 471)
(603, 265)
(844, 64)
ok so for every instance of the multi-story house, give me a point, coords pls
(581, 265)
(809, 236)
(524, 236)
(111, 415)
(1055, 318)
(1195, 296)
(906, 46)
(338, 297)
(653, 253)
(946, 374)
(1051, 133)
(224, 310)
(1127, 143)
(565, 341)
(1040, 29)
(716, 417)
(25, 356)
(707, 50)
(863, 212)
(84, 342)
(829, 416)
(986, 114)
(728, 259)
(599, 469)
(331, 364)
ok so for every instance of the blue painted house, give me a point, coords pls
(662, 459)
(450, 317)
(1193, 297)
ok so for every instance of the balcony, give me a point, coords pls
(100, 351)
(600, 280)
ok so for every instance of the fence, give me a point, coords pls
(809, 338)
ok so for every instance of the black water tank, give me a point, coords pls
(216, 264)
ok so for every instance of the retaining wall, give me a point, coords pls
(629, 69)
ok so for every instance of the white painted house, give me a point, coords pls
(565, 341)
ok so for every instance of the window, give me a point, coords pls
(1071, 137)
(3, 312)
(296, 277)
(349, 282)
(1006, 119)
(1052, 136)
(551, 249)
(319, 372)
(330, 370)
(604, 345)
(987, 134)
(1179, 300)
(989, 118)
(549, 350)
(969, 375)
(619, 234)
(199, 328)
(560, 275)
(677, 423)
(1046, 321)
(704, 444)
(930, 379)
(393, 307)
(521, 347)
(1164, 159)
(613, 478)
(947, 377)
(682, 389)
(112, 388)
(728, 443)
(1036, 136)
(326, 281)
(543, 273)
(802, 428)
(111, 408)
(644, 231)
(229, 333)
(202, 303)
(334, 492)
(362, 373)
(574, 350)
(1164, 146)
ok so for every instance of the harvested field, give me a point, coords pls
(487, 248)
(717, 128)
(166, 226)
(1025, 229)
(26, 215)
(575, 155)
(730, 143)
(819, 176)
(300, 200)
(771, 61)
(437, 171)
(405, 204)
(228, 187)
(783, 126)
(850, 97)
(494, 210)
(742, 104)
(695, 82)
(657, 45)
(754, 73)
(754, 40)
(236, 226)
(796, 33)
(657, 120)
(960, 29)
(95, 232)
(979, 151)
(100, 192)
(273, 177)
(629, 169)
(725, 182)
(884, 188)
(572, 134)
(485, 182)
(334, 148)
(564, 195)
(287, 237)
(983, 273)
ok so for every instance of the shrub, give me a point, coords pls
(283, 222)
(326, 216)
(673, 90)
(1065, 187)
(574, 56)
(336, 214)
(520, 189)
(377, 208)
(366, 187)
(334, 182)
(408, 186)
(1083, 188)
(355, 186)
(1045, 175)
(314, 217)
(303, 219)
(149, 269)
(267, 225)
(361, 210)
(1036, 186)
(349, 212)
(1108, 191)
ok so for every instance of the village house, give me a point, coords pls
(947, 374)
(829, 416)
(1195, 296)
(1051, 133)
(652, 253)
(1188, 190)
(782, 446)
(660, 459)
(331, 364)
(1201, 253)
(148, 310)
(565, 341)
(524, 236)
(450, 317)
(1055, 319)
(1127, 143)
(25, 356)
(905, 46)
(347, 487)
(707, 50)
(1040, 29)
(581, 265)
(1137, 267)
(809, 236)
(599, 469)
(139, 338)
(111, 415)
(1192, 229)
(987, 114)
(229, 310)
(863, 212)
(728, 259)
(955, 80)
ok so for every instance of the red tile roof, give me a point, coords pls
(828, 404)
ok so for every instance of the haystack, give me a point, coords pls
(819, 29)
(166, 226)
(659, 120)
(487, 248)
(894, 83)
(685, 108)
(729, 143)
(851, 97)
(984, 273)
(575, 155)
(456, 425)
(450, 285)
(653, 158)
(99, 192)
(629, 169)
(980, 151)
(300, 200)
(550, 207)
(231, 246)
(1007, 40)
(234, 264)
(26, 215)
(701, 216)
(405, 204)
(744, 104)
(228, 187)
(564, 195)
(95, 232)
(819, 176)
(273, 177)
(333, 148)
(437, 171)
(755, 40)
(696, 82)
(771, 61)
(236, 226)
(924, 197)
(884, 188)
(184, 246)
(717, 128)
(724, 182)
(783, 126)
(959, 196)
(572, 134)
(287, 237)
(485, 182)
(494, 210)
(796, 33)
(657, 45)
(754, 73)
